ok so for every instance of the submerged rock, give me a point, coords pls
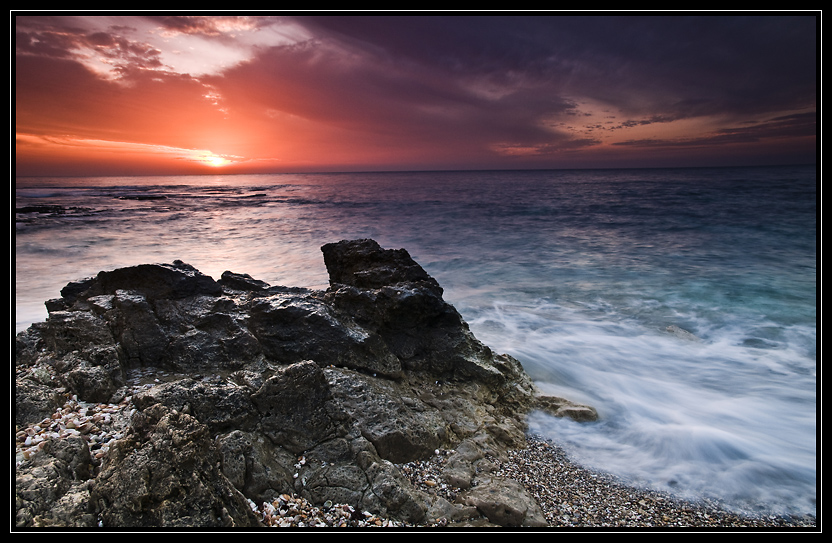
(681, 333)
(561, 407)
(268, 391)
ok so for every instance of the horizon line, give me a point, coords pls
(319, 172)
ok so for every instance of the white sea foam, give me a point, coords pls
(712, 418)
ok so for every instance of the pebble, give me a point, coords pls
(427, 475)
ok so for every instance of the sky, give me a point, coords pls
(158, 94)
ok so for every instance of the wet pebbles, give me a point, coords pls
(571, 496)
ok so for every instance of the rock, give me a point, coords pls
(67, 331)
(505, 502)
(91, 382)
(364, 264)
(389, 294)
(217, 403)
(681, 333)
(241, 281)
(156, 281)
(263, 391)
(35, 401)
(293, 407)
(291, 328)
(561, 407)
(166, 473)
(53, 489)
(400, 427)
(460, 469)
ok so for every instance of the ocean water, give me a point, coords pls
(577, 273)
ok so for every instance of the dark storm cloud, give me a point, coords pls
(379, 93)
(685, 66)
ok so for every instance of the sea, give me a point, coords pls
(680, 303)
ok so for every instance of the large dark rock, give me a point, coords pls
(377, 370)
(291, 328)
(389, 294)
(156, 281)
(364, 264)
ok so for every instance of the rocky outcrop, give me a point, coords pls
(262, 391)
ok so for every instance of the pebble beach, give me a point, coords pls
(572, 496)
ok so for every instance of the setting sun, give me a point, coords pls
(210, 159)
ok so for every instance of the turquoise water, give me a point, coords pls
(577, 273)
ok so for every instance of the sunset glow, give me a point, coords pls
(159, 94)
(217, 161)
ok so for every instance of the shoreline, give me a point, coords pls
(569, 495)
(573, 496)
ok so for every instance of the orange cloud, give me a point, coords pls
(115, 155)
